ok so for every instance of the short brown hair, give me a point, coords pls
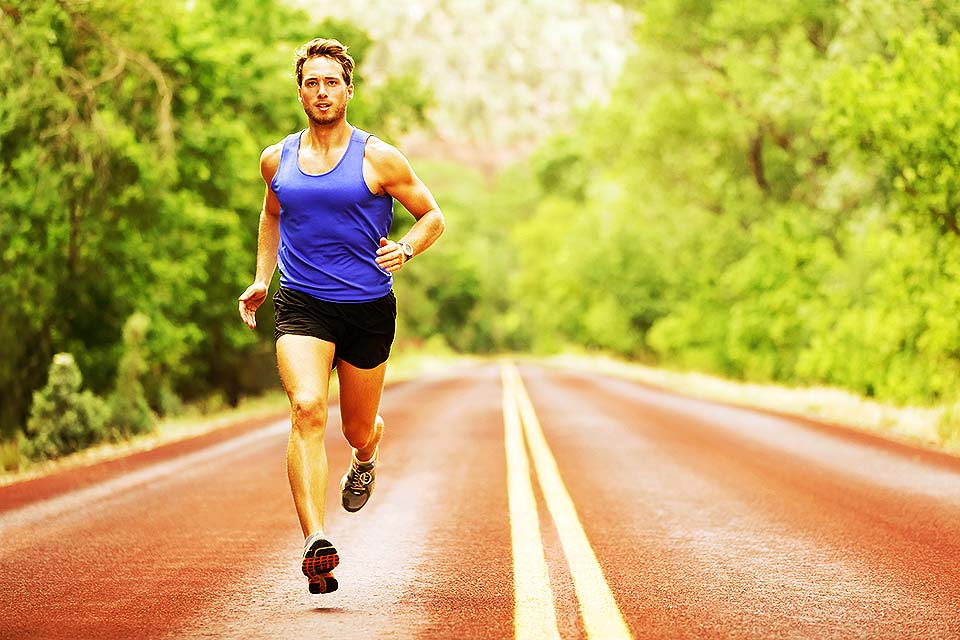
(325, 48)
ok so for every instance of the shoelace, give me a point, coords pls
(359, 480)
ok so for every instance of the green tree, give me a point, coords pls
(63, 419)
(769, 194)
(129, 412)
(128, 149)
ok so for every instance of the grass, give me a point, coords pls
(935, 428)
(195, 420)
(205, 416)
(948, 427)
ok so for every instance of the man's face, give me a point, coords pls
(323, 92)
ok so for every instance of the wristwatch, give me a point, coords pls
(407, 249)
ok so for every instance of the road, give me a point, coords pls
(524, 502)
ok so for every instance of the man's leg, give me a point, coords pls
(305, 364)
(360, 391)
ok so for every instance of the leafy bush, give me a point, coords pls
(948, 428)
(10, 459)
(129, 412)
(63, 419)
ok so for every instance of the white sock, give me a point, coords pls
(313, 537)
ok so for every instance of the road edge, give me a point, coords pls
(735, 394)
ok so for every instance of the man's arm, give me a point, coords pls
(395, 177)
(268, 239)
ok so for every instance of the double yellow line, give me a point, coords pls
(535, 616)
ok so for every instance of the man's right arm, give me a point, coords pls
(268, 239)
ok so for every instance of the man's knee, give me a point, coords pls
(309, 412)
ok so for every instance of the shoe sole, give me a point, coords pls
(318, 561)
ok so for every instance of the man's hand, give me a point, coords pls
(250, 301)
(390, 256)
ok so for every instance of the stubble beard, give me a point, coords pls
(319, 118)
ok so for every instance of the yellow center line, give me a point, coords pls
(533, 599)
(602, 617)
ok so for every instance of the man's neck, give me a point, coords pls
(323, 137)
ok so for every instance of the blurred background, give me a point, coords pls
(765, 192)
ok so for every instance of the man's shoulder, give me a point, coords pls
(384, 155)
(378, 147)
(273, 150)
(270, 160)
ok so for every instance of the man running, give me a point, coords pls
(327, 210)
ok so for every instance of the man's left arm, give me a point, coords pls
(397, 178)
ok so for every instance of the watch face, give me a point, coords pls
(407, 249)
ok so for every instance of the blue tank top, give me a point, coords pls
(330, 226)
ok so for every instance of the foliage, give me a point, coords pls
(129, 138)
(64, 419)
(129, 412)
(948, 428)
(903, 107)
(454, 293)
(771, 194)
(504, 74)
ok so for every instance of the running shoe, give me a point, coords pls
(319, 559)
(357, 483)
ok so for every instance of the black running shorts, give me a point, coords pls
(362, 331)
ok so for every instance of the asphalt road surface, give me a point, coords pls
(510, 503)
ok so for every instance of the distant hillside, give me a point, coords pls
(505, 74)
